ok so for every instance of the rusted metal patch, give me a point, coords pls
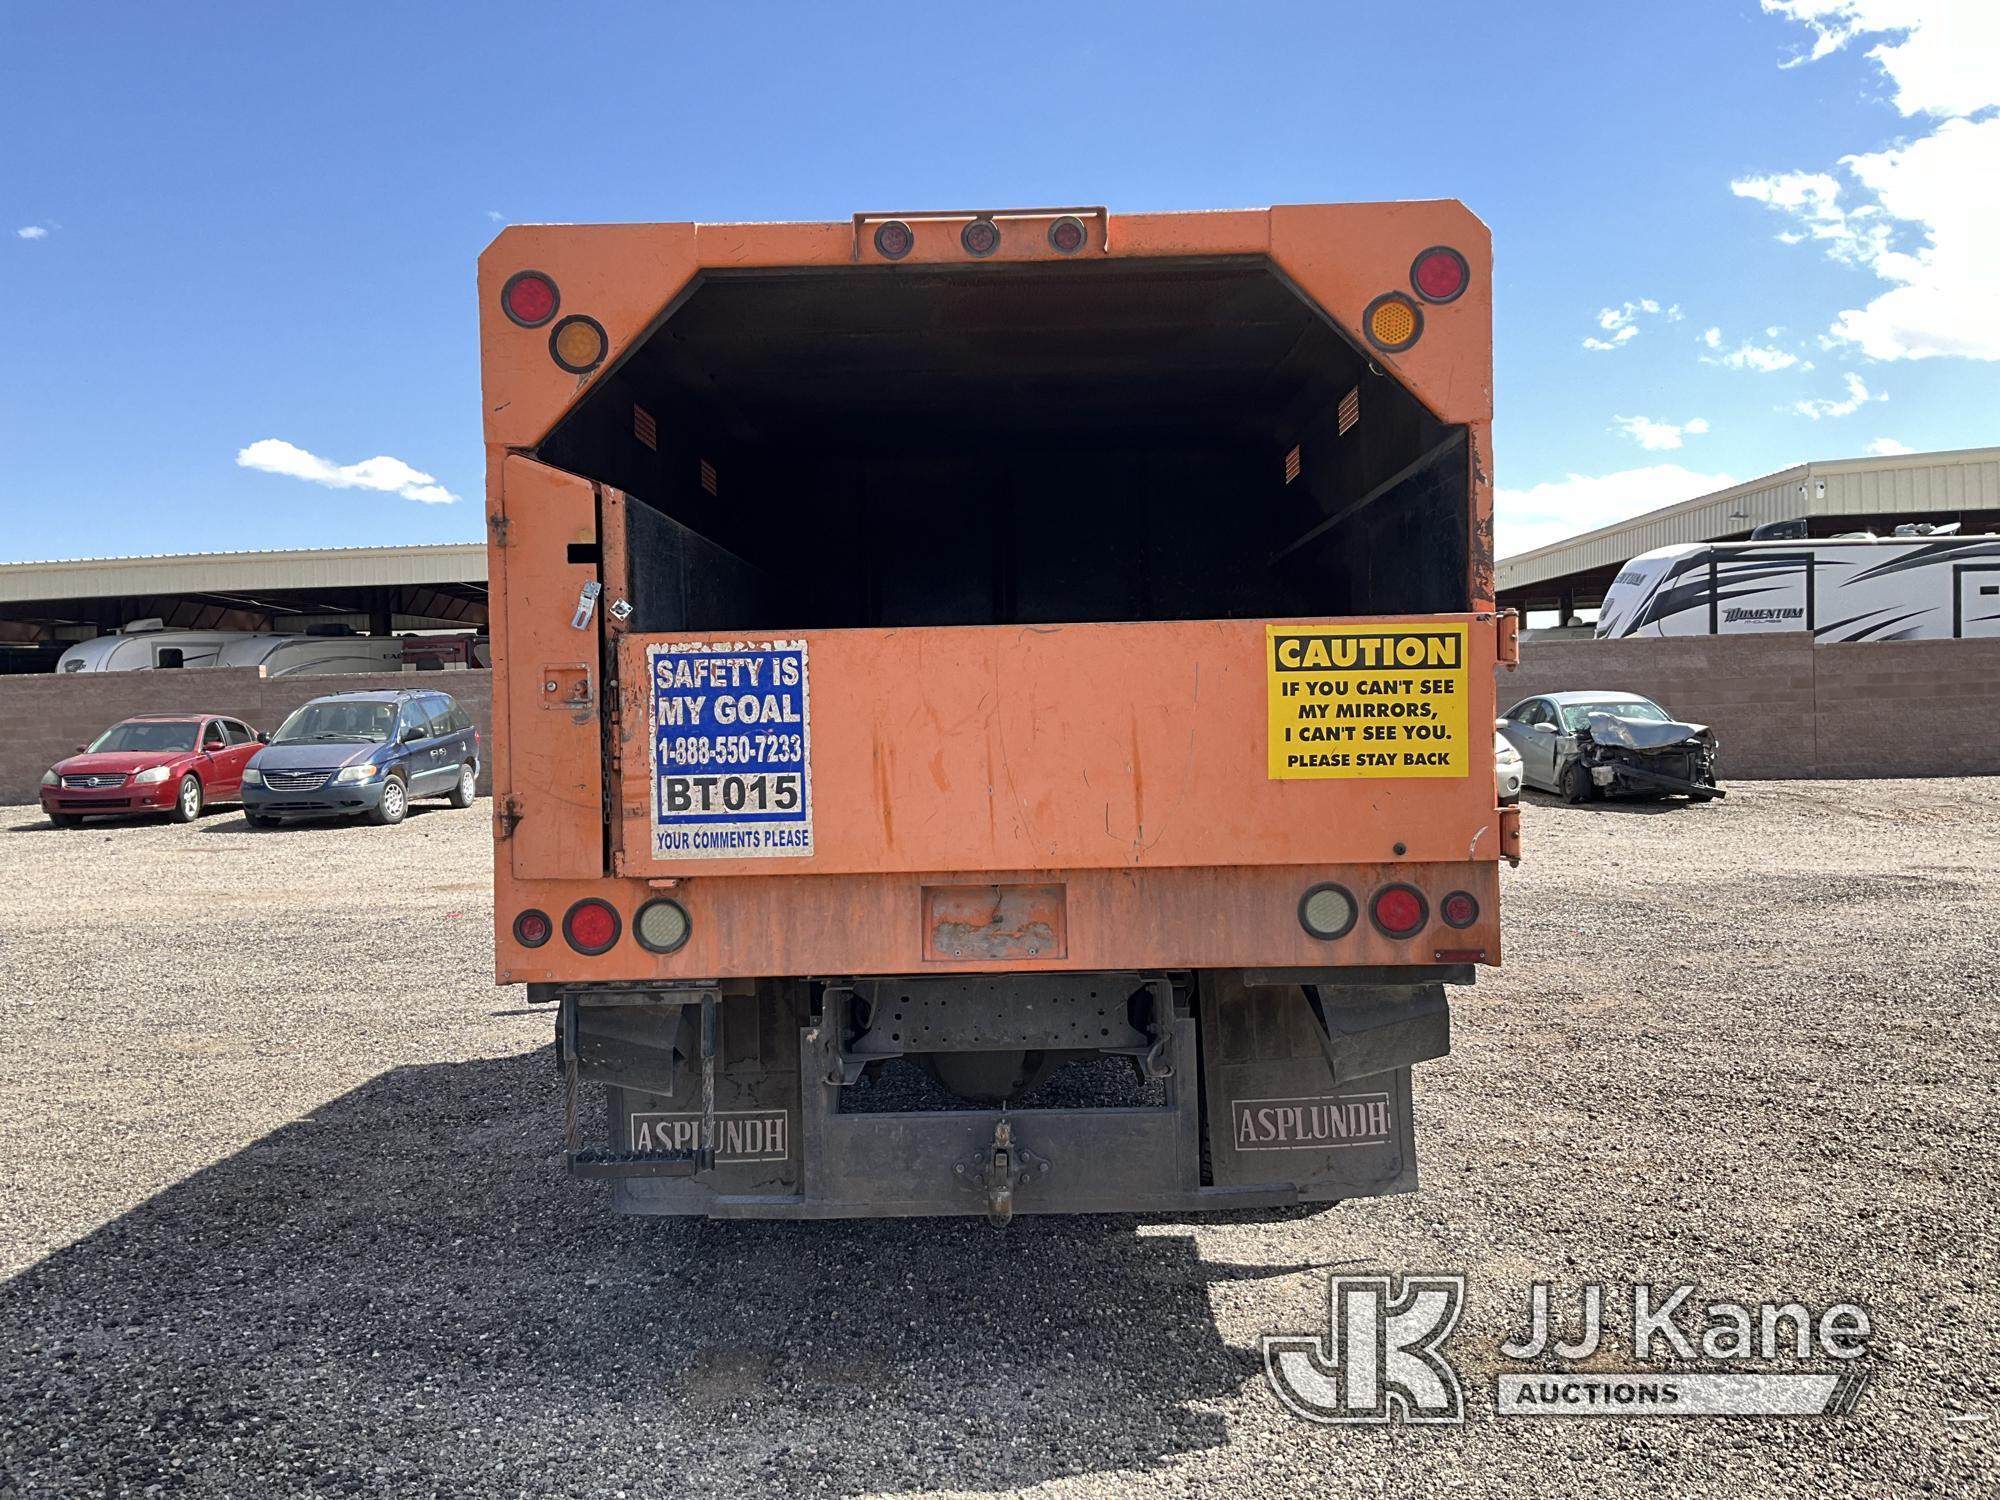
(995, 922)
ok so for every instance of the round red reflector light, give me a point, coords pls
(894, 240)
(591, 926)
(1399, 910)
(980, 237)
(533, 928)
(1440, 274)
(1067, 235)
(529, 298)
(1459, 909)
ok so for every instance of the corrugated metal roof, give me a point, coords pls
(243, 572)
(1905, 484)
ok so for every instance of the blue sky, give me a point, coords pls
(224, 226)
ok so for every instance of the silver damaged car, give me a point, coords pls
(1600, 744)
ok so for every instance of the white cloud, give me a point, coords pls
(1858, 395)
(1713, 338)
(1530, 518)
(1942, 62)
(389, 475)
(1889, 447)
(1655, 436)
(1911, 213)
(1764, 359)
(32, 232)
(1622, 322)
(495, 215)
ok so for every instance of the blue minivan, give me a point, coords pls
(368, 752)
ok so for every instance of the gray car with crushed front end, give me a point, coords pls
(1606, 744)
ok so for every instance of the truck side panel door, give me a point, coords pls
(548, 771)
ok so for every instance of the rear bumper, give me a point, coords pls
(328, 802)
(1234, 917)
(110, 801)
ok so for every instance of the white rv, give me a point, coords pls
(315, 655)
(147, 646)
(1903, 588)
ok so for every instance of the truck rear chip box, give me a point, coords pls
(993, 710)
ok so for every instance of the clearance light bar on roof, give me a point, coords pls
(1029, 233)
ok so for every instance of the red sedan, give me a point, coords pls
(156, 763)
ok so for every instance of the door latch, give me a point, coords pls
(586, 605)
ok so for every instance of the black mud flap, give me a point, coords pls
(1310, 1085)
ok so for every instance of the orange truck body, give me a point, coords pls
(989, 790)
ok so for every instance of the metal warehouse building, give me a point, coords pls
(1849, 494)
(44, 606)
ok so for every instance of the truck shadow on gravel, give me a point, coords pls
(402, 1293)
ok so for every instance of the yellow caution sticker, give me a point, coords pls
(1367, 701)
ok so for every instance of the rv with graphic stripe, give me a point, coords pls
(1840, 589)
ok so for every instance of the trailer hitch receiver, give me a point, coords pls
(999, 1170)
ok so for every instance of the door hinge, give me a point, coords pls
(1507, 645)
(506, 819)
(497, 524)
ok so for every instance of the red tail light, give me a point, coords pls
(1067, 235)
(532, 928)
(1440, 274)
(591, 926)
(1399, 911)
(529, 298)
(1459, 909)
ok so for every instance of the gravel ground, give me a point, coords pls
(281, 1211)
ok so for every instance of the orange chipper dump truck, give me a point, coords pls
(993, 711)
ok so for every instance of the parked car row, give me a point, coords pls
(343, 755)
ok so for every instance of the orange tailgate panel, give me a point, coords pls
(1069, 747)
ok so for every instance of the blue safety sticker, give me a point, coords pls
(732, 750)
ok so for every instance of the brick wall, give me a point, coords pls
(1787, 708)
(1926, 708)
(45, 717)
(1783, 706)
